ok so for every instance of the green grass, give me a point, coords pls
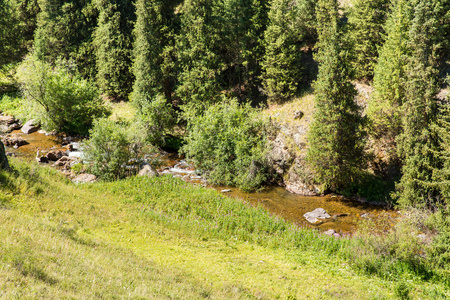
(146, 238)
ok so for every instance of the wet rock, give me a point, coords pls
(41, 158)
(66, 162)
(332, 232)
(84, 178)
(31, 126)
(55, 155)
(4, 165)
(225, 191)
(7, 120)
(148, 170)
(316, 216)
(298, 114)
(14, 141)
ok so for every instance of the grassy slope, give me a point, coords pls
(161, 238)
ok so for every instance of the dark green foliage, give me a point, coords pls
(153, 66)
(439, 250)
(113, 45)
(228, 144)
(58, 96)
(335, 137)
(64, 29)
(197, 46)
(154, 33)
(385, 105)
(219, 48)
(366, 21)
(17, 24)
(418, 143)
(157, 118)
(283, 40)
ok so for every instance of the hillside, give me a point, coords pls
(147, 238)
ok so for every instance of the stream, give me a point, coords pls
(345, 214)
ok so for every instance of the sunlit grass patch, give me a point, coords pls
(147, 238)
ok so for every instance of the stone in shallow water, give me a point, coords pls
(316, 215)
(31, 126)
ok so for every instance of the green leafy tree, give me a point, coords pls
(366, 20)
(113, 45)
(58, 96)
(336, 141)
(109, 150)
(418, 144)
(227, 143)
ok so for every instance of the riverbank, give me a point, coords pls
(163, 238)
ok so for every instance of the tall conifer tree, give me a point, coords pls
(385, 106)
(335, 137)
(366, 21)
(113, 45)
(199, 57)
(64, 29)
(418, 144)
(154, 39)
(289, 28)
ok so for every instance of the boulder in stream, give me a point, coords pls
(31, 126)
(14, 141)
(148, 170)
(316, 216)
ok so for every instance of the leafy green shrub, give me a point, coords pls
(438, 252)
(58, 96)
(109, 150)
(228, 143)
(157, 118)
(391, 253)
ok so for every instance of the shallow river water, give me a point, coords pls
(345, 213)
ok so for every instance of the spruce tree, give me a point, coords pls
(418, 144)
(283, 39)
(153, 65)
(366, 21)
(198, 47)
(385, 105)
(64, 29)
(154, 39)
(335, 138)
(290, 27)
(113, 45)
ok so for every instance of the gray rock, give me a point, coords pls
(7, 120)
(330, 232)
(298, 114)
(226, 191)
(316, 215)
(31, 126)
(14, 141)
(148, 170)
(84, 178)
(4, 165)
(54, 155)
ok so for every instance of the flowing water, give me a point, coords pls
(345, 213)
